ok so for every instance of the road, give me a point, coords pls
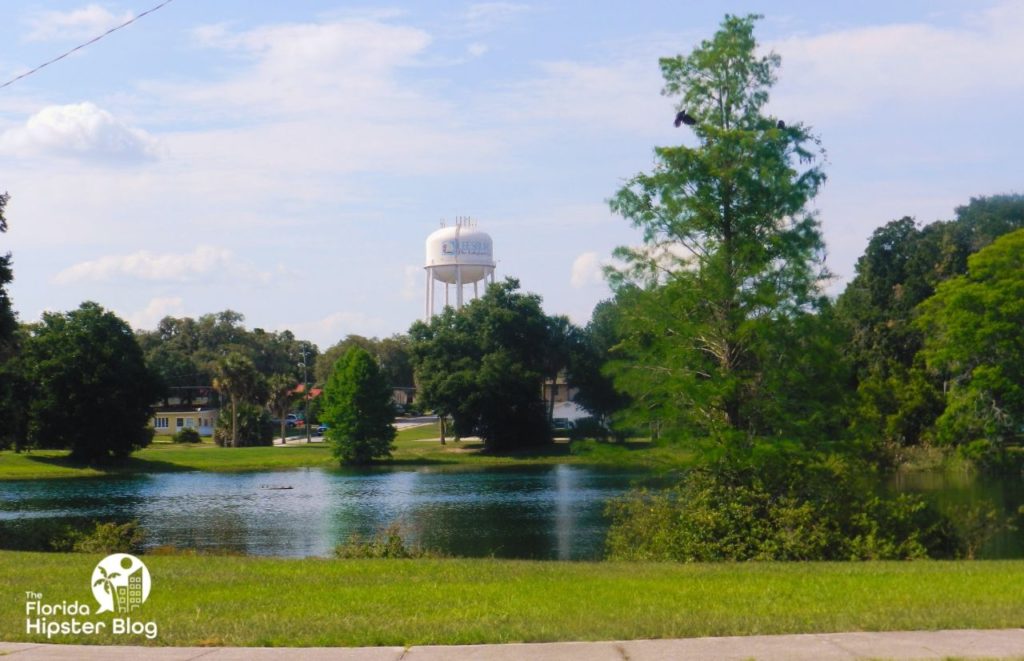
(400, 424)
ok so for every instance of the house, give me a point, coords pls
(402, 396)
(565, 409)
(560, 389)
(172, 419)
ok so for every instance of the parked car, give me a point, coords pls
(561, 424)
(322, 429)
(289, 422)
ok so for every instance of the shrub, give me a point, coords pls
(254, 426)
(787, 508)
(109, 538)
(387, 543)
(186, 435)
(588, 428)
(37, 534)
(64, 535)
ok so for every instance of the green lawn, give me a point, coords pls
(221, 600)
(167, 457)
(413, 447)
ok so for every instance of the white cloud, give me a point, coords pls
(587, 270)
(202, 264)
(79, 131)
(914, 65)
(328, 97)
(476, 49)
(346, 66)
(89, 21)
(157, 309)
(489, 16)
(619, 96)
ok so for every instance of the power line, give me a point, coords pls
(88, 43)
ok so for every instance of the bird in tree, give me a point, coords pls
(683, 117)
(732, 254)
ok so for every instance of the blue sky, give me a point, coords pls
(288, 160)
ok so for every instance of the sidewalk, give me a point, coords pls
(971, 643)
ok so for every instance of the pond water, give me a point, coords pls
(550, 512)
(964, 495)
(547, 512)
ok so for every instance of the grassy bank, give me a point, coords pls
(417, 446)
(260, 601)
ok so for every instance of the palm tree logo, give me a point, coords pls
(121, 583)
(106, 581)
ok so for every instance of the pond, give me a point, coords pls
(550, 512)
(545, 512)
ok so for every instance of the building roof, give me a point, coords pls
(313, 392)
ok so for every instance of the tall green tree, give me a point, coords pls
(974, 342)
(238, 379)
(898, 400)
(562, 336)
(357, 409)
(281, 398)
(590, 352)
(13, 389)
(8, 320)
(185, 351)
(729, 246)
(91, 390)
(485, 364)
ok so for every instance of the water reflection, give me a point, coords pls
(544, 512)
(958, 493)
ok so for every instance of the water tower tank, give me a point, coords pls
(457, 255)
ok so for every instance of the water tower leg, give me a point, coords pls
(476, 292)
(426, 299)
(433, 292)
(458, 285)
(446, 294)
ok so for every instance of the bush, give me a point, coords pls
(588, 428)
(254, 426)
(387, 543)
(109, 538)
(64, 535)
(187, 435)
(789, 508)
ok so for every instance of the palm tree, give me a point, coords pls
(561, 334)
(282, 395)
(107, 581)
(236, 377)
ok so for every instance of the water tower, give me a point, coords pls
(457, 255)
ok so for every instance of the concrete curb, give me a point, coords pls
(969, 643)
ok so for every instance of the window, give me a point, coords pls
(160, 423)
(179, 422)
(190, 423)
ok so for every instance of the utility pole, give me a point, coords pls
(305, 393)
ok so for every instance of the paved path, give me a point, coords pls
(988, 644)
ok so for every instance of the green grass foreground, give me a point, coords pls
(223, 600)
(417, 446)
